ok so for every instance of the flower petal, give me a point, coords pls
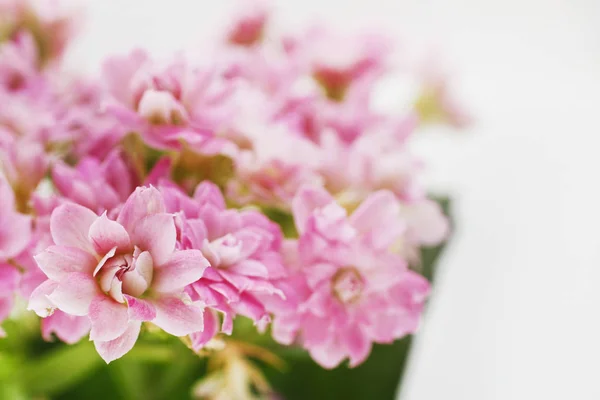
(109, 318)
(178, 318)
(156, 234)
(118, 347)
(15, 234)
(68, 328)
(426, 220)
(250, 268)
(59, 261)
(329, 355)
(106, 235)
(357, 344)
(140, 310)
(143, 202)
(39, 302)
(74, 294)
(183, 268)
(70, 224)
(211, 327)
(379, 217)
(305, 202)
(9, 279)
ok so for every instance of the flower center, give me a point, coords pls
(125, 274)
(347, 285)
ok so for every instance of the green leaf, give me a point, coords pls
(60, 369)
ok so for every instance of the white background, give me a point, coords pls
(516, 310)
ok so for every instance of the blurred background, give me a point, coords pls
(515, 310)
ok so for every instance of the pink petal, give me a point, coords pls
(106, 235)
(245, 283)
(308, 199)
(118, 347)
(209, 193)
(285, 328)
(316, 330)
(250, 268)
(9, 279)
(250, 240)
(227, 290)
(211, 327)
(379, 216)
(156, 234)
(249, 307)
(7, 195)
(109, 318)
(427, 222)
(176, 317)
(140, 310)
(59, 261)
(74, 294)
(39, 302)
(117, 174)
(160, 171)
(194, 233)
(15, 234)
(143, 202)
(109, 254)
(68, 328)
(183, 268)
(329, 355)
(70, 224)
(357, 344)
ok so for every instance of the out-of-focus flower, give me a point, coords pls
(15, 228)
(437, 103)
(119, 273)
(168, 105)
(50, 23)
(97, 186)
(338, 63)
(243, 248)
(356, 291)
(249, 26)
(15, 234)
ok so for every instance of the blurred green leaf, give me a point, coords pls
(59, 369)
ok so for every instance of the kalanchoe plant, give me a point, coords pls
(173, 199)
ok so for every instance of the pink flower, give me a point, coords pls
(438, 101)
(18, 64)
(48, 21)
(248, 29)
(15, 234)
(119, 273)
(15, 228)
(25, 164)
(170, 104)
(354, 290)
(274, 169)
(83, 121)
(243, 248)
(338, 63)
(99, 186)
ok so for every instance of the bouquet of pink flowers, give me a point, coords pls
(182, 199)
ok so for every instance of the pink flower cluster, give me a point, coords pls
(143, 195)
